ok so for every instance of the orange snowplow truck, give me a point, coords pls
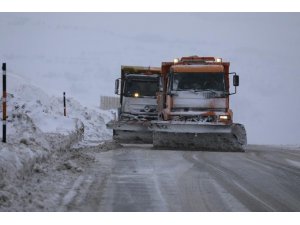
(193, 106)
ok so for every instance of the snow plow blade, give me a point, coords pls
(133, 132)
(204, 137)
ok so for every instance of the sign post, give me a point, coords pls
(4, 103)
(65, 110)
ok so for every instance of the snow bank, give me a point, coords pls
(36, 127)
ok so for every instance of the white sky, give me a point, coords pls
(81, 53)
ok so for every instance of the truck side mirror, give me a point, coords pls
(117, 86)
(236, 80)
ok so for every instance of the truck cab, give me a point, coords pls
(193, 106)
(137, 88)
(138, 97)
(197, 90)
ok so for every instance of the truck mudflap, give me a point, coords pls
(131, 132)
(202, 137)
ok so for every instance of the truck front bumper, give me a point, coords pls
(128, 125)
(189, 127)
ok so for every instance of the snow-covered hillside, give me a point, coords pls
(46, 112)
(36, 127)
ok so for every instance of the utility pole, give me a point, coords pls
(4, 103)
(65, 110)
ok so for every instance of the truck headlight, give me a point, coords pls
(224, 117)
(176, 60)
(136, 94)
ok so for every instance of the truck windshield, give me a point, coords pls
(141, 87)
(198, 81)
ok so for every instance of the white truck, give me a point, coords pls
(137, 88)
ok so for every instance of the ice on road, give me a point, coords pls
(138, 178)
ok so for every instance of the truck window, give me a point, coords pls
(198, 81)
(142, 87)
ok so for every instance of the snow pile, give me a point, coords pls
(36, 127)
(94, 121)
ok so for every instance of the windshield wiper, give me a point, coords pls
(211, 90)
(203, 90)
(220, 94)
(215, 92)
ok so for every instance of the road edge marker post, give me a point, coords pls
(65, 110)
(4, 103)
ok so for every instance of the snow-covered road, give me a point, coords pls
(137, 178)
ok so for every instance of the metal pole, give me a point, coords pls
(65, 111)
(4, 103)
